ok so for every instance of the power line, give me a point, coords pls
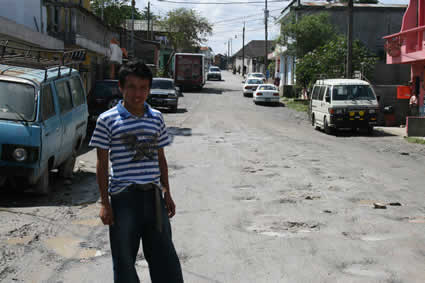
(244, 17)
(220, 3)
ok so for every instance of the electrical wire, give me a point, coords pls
(221, 3)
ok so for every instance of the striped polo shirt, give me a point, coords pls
(133, 144)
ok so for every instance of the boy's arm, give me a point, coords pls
(102, 175)
(163, 167)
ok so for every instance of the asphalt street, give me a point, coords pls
(261, 197)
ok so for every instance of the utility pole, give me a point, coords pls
(266, 15)
(149, 20)
(243, 50)
(350, 40)
(133, 4)
(228, 52)
(101, 9)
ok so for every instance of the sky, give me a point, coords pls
(228, 20)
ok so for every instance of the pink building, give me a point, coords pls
(408, 47)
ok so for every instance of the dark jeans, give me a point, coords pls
(134, 219)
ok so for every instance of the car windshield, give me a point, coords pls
(352, 92)
(267, 87)
(214, 70)
(257, 75)
(254, 82)
(107, 89)
(162, 84)
(17, 101)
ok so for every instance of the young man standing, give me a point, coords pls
(133, 136)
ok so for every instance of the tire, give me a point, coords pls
(369, 130)
(67, 168)
(42, 186)
(174, 109)
(326, 128)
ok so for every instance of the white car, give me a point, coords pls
(266, 93)
(214, 73)
(256, 76)
(250, 86)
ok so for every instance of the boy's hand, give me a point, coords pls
(171, 206)
(106, 214)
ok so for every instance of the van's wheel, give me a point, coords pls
(67, 168)
(174, 109)
(326, 128)
(369, 130)
(42, 186)
(313, 122)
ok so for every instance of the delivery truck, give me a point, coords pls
(188, 70)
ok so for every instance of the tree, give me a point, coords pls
(329, 61)
(306, 34)
(115, 12)
(186, 29)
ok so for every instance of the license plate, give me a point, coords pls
(268, 99)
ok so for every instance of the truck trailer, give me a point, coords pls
(189, 70)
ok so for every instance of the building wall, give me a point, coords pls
(24, 12)
(370, 26)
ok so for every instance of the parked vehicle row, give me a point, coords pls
(259, 91)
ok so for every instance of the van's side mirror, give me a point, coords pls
(328, 98)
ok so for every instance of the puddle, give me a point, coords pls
(361, 270)
(89, 222)
(70, 248)
(19, 240)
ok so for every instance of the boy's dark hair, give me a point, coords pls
(136, 68)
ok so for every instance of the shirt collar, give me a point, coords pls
(125, 114)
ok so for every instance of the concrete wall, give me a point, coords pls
(24, 12)
(11, 30)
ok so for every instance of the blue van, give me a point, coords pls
(43, 122)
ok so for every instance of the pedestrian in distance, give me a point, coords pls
(136, 200)
(413, 105)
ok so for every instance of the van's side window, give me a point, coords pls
(76, 91)
(47, 104)
(65, 101)
(315, 92)
(322, 92)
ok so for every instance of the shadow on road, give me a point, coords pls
(273, 104)
(167, 110)
(360, 133)
(83, 190)
(213, 90)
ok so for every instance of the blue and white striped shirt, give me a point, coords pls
(133, 144)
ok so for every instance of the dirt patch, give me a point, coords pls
(284, 228)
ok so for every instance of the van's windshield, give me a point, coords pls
(352, 92)
(17, 101)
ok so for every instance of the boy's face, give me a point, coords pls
(135, 91)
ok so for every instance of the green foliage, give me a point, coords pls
(187, 29)
(115, 12)
(306, 34)
(329, 61)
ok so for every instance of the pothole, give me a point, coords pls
(89, 222)
(244, 188)
(284, 228)
(245, 198)
(71, 248)
(19, 240)
(361, 270)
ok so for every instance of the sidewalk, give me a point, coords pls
(396, 131)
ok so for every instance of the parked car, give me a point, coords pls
(214, 73)
(343, 103)
(257, 76)
(266, 93)
(164, 94)
(43, 121)
(104, 95)
(250, 86)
